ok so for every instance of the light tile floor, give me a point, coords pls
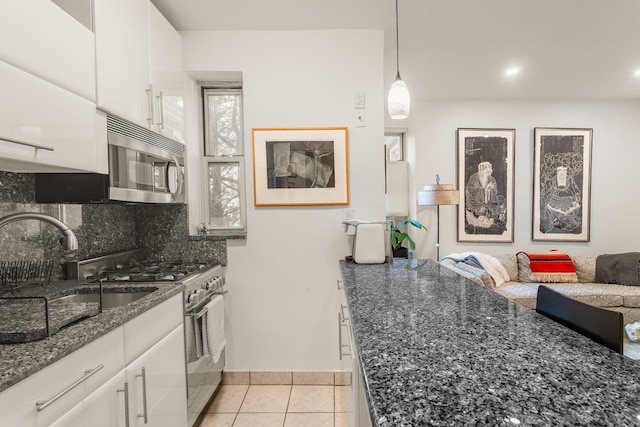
(277, 405)
(258, 405)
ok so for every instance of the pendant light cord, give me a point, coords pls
(397, 44)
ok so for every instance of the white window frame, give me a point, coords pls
(238, 159)
(401, 135)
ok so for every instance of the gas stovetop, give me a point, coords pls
(133, 266)
(151, 271)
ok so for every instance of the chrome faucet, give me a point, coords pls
(69, 239)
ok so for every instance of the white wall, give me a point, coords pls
(282, 303)
(614, 180)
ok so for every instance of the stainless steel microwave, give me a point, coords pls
(144, 167)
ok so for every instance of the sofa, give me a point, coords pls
(522, 289)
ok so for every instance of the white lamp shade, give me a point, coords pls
(399, 102)
(440, 194)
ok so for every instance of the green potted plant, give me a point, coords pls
(398, 237)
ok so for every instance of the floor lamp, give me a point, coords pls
(439, 194)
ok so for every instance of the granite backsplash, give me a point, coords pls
(104, 228)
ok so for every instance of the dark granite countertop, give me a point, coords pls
(18, 361)
(437, 349)
(25, 320)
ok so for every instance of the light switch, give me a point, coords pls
(359, 117)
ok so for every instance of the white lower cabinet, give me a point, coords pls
(362, 406)
(150, 391)
(45, 396)
(146, 330)
(157, 384)
(155, 366)
(133, 376)
(103, 408)
(357, 406)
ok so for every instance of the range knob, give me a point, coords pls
(192, 297)
(210, 284)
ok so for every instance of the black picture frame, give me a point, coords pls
(486, 159)
(562, 184)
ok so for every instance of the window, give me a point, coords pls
(394, 145)
(223, 159)
(396, 175)
(223, 122)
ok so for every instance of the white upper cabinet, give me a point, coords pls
(44, 128)
(139, 65)
(166, 75)
(44, 40)
(122, 59)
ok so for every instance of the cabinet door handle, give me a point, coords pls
(344, 317)
(339, 287)
(43, 404)
(144, 414)
(339, 336)
(341, 346)
(160, 111)
(125, 390)
(150, 104)
(28, 144)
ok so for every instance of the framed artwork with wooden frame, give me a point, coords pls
(485, 180)
(562, 184)
(300, 166)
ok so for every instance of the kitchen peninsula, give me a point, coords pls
(437, 349)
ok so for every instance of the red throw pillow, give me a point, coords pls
(551, 267)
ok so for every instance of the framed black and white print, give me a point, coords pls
(300, 166)
(562, 184)
(485, 179)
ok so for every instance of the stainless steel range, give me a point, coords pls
(204, 370)
(204, 281)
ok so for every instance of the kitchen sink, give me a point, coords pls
(109, 299)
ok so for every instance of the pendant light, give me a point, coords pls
(398, 102)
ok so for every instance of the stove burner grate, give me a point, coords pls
(151, 271)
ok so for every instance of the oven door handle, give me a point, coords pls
(201, 313)
(200, 305)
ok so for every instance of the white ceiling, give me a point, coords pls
(459, 49)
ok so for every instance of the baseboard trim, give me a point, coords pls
(284, 378)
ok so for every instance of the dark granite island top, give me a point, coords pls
(18, 361)
(437, 349)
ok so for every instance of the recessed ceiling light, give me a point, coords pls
(512, 71)
(636, 74)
